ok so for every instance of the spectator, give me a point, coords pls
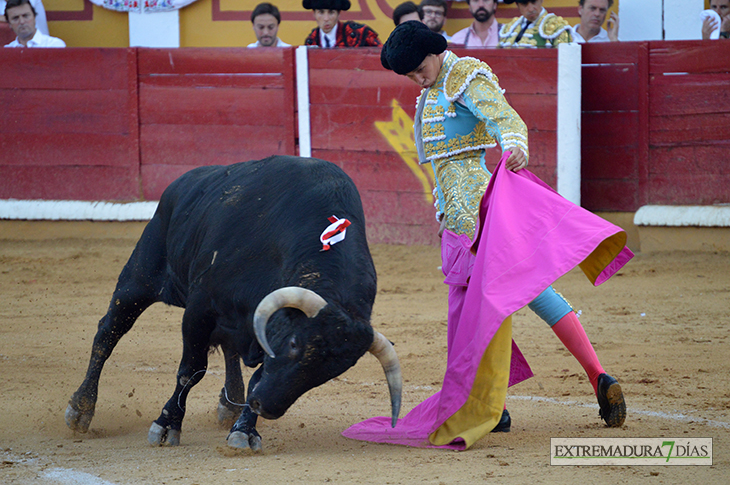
(330, 32)
(434, 16)
(592, 15)
(40, 17)
(710, 24)
(535, 27)
(484, 31)
(266, 19)
(407, 11)
(21, 16)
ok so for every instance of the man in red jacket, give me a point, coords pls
(330, 32)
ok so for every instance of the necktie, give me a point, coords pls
(522, 32)
(326, 42)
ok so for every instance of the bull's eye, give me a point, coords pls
(293, 347)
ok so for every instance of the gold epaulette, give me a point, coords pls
(552, 26)
(462, 73)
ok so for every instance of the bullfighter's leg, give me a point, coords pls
(198, 324)
(244, 434)
(138, 287)
(233, 395)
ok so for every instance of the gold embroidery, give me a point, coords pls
(551, 24)
(433, 111)
(462, 181)
(462, 71)
(433, 131)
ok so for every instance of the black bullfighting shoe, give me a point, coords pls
(505, 423)
(611, 401)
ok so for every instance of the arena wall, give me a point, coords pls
(120, 124)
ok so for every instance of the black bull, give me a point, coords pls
(239, 248)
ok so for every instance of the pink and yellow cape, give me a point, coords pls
(528, 237)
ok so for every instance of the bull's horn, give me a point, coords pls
(384, 351)
(291, 296)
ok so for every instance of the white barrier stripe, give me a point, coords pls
(569, 119)
(75, 210)
(654, 414)
(305, 134)
(679, 216)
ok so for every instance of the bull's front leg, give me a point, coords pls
(233, 395)
(197, 328)
(243, 433)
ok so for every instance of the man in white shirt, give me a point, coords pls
(592, 14)
(40, 15)
(484, 31)
(265, 19)
(21, 16)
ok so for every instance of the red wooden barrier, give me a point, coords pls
(689, 123)
(614, 128)
(69, 124)
(362, 117)
(212, 107)
(655, 125)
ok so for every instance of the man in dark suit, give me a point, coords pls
(330, 32)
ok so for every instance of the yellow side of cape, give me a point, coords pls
(483, 408)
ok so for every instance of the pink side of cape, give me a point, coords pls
(528, 237)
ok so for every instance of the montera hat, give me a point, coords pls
(326, 4)
(408, 45)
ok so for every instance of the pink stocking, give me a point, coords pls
(570, 331)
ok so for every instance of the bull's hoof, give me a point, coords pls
(241, 440)
(77, 420)
(159, 436)
(227, 416)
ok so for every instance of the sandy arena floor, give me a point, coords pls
(661, 327)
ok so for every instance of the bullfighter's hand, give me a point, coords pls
(517, 160)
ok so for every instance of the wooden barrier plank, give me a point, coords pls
(689, 129)
(273, 80)
(156, 177)
(690, 94)
(609, 129)
(203, 60)
(693, 189)
(209, 144)
(692, 56)
(64, 111)
(608, 88)
(56, 182)
(222, 106)
(386, 172)
(333, 127)
(609, 162)
(362, 88)
(64, 69)
(69, 149)
(685, 161)
(610, 195)
(611, 53)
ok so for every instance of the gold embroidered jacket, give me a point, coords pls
(464, 113)
(547, 31)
